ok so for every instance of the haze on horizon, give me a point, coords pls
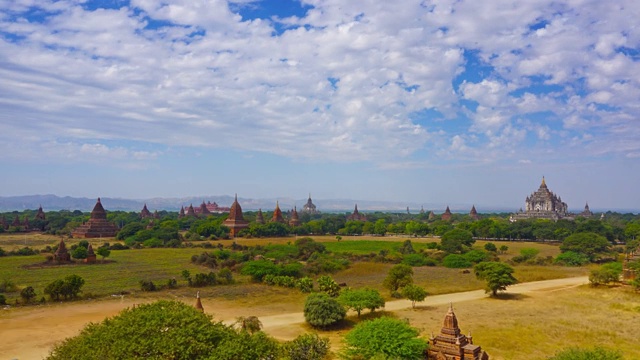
(422, 101)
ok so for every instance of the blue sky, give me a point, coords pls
(433, 102)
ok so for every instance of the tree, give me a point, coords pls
(407, 248)
(414, 293)
(328, 285)
(306, 347)
(322, 311)
(497, 275)
(399, 275)
(250, 324)
(504, 249)
(79, 253)
(455, 240)
(27, 294)
(490, 247)
(606, 274)
(571, 258)
(384, 337)
(590, 244)
(360, 299)
(307, 246)
(104, 252)
(163, 330)
(598, 353)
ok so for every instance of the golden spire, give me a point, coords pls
(544, 184)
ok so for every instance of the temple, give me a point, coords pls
(309, 207)
(235, 222)
(586, 212)
(203, 210)
(62, 254)
(446, 216)
(145, 213)
(473, 214)
(356, 216)
(91, 255)
(294, 221)
(543, 204)
(191, 211)
(277, 215)
(450, 344)
(259, 217)
(97, 226)
(40, 215)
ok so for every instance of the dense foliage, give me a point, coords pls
(385, 338)
(497, 275)
(360, 299)
(321, 310)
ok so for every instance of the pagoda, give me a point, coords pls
(356, 216)
(543, 204)
(259, 217)
(191, 211)
(235, 222)
(199, 306)
(3, 222)
(40, 215)
(446, 216)
(294, 221)
(97, 226)
(91, 255)
(431, 215)
(473, 214)
(277, 215)
(450, 344)
(181, 213)
(62, 254)
(145, 213)
(586, 212)
(309, 207)
(204, 210)
(421, 210)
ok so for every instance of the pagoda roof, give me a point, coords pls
(98, 211)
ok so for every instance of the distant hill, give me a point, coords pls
(53, 203)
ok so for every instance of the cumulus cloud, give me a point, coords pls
(339, 83)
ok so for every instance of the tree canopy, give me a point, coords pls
(588, 243)
(386, 337)
(497, 275)
(360, 299)
(320, 310)
(454, 241)
(399, 275)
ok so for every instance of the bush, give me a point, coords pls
(172, 284)
(79, 252)
(27, 294)
(456, 261)
(25, 251)
(455, 240)
(225, 276)
(147, 285)
(202, 279)
(384, 338)
(322, 311)
(606, 274)
(68, 288)
(597, 353)
(414, 293)
(305, 284)
(3, 300)
(306, 347)
(118, 246)
(258, 269)
(476, 256)
(490, 247)
(571, 258)
(589, 244)
(328, 285)
(7, 286)
(418, 260)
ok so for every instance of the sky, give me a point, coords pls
(444, 101)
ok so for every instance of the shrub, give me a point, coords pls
(490, 247)
(305, 284)
(153, 243)
(328, 285)
(147, 285)
(68, 288)
(3, 300)
(172, 284)
(258, 269)
(476, 256)
(306, 347)
(79, 252)
(225, 276)
(7, 286)
(571, 258)
(201, 279)
(590, 244)
(455, 240)
(606, 274)
(322, 311)
(384, 338)
(118, 246)
(418, 260)
(25, 251)
(27, 294)
(456, 261)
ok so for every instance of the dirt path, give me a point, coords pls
(29, 333)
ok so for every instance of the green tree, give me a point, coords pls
(380, 227)
(504, 249)
(456, 261)
(328, 285)
(399, 275)
(306, 347)
(320, 310)
(414, 293)
(27, 294)
(606, 274)
(79, 253)
(590, 244)
(360, 299)
(497, 275)
(455, 241)
(250, 324)
(571, 258)
(104, 252)
(490, 247)
(163, 330)
(307, 247)
(386, 337)
(597, 353)
(407, 248)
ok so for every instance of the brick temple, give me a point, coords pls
(97, 226)
(235, 222)
(451, 344)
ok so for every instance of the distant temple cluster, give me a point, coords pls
(22, 225)
(544, 204)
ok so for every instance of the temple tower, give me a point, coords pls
(145, 213)
(450, 344)
(277, 215)
(446, 216)
(259, 217)
(356, 215)
(97, 226)
(309, 207)
(295, 221)
(40, 215)
(235, 222)
(62, 254)
(473, 214)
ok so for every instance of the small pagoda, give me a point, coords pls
(97, 226)
(145, 213)
(432, 216)
(203, 210)
(277, 215)
(40, 215)
(295, 220)
(446, 216)
(473, 214)
(181, 213)
(91, 255)
(199, 306)
(235, 222)
(259, 217)
(356, 215)
(450, 344)
(191, 212)
(62, 254)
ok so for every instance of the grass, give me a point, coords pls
(544, 323)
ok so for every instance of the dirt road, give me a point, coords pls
(29, 333)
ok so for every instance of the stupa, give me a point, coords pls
(277, 215)
(294, 221)
(62, 254)
(40, 215)
(145, 213)
(259, 217)
(446, 216)
(235, 222)
(91, 255)
(97, 226)
(450, 344)
(309, 207)
(356, 216)
(473, 214)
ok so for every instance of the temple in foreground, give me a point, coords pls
(97, 226)
(451, 344)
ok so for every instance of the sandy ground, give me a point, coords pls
(30, 333)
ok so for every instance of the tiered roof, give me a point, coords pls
(446, 216)
(190, 211)
(203, 209)
(97, 226)
(62, 254)
(277, 215)
(473, 213)
(259, 217)
(145, 213)
(235, 222)
(356, 216)
(294, 221)
(309, 207)
(450, 344)
(40, 215)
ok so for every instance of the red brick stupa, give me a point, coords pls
(62, 254)
(446, 216)
(97, 226)
(235, 222)
(91, 255)
(295, 220)
(356, 215)
(450, 344)
(259, 217)
(473, 214)
(277, 215)
(145, 213)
